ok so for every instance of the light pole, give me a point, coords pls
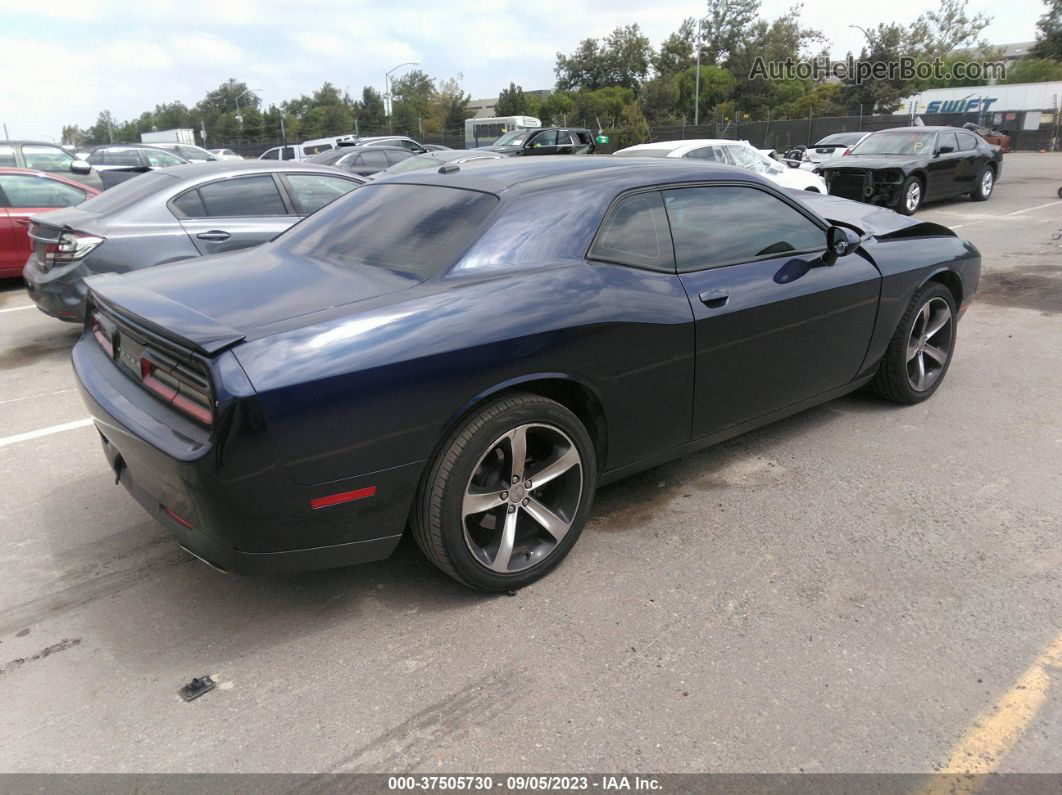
(245, 93)
(697, 80)
(387, 88)
(870, 41)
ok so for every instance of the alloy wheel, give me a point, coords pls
(929, 345)
(986, 183)
(913, 197)
(522, 498)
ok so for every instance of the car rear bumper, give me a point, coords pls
(59, 293)
(236, 517)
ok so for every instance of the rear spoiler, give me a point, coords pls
(157, 313)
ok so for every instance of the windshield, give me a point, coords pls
(896, 143)
(411, 229)
(514, 138)
(753, 160)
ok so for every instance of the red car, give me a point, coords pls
(25, 193)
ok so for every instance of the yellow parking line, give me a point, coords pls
(994, 735)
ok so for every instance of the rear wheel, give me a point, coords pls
(910, 196)
(508, 495)
(986, 180)
(919, 353)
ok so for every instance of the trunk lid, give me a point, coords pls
(215, 302)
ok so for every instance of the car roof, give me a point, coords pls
(924, 128)
(33, 172)
(686, 142)
(518, 174)
(42, 143)
(195, 172)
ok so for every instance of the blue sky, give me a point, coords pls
(66, 60)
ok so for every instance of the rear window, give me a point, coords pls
(415, 230)
(129, 192)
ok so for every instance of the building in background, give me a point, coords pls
(1020, 106)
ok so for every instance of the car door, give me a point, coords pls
(233, 213)
(969, 163)
(565, 142)
(542, 143)
(9, 263)
(943, 166)
(22, 196)
(775, 324)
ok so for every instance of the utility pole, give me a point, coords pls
(697, 81)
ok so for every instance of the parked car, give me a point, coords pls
(437, 148)
(52, 159)
(170, 215)
(732, 153)
(118, 163)
(24, 193)
(438, 159)
(831, 146)
(906, 166)
(285, 152)
(362, 160)
(389, 140)
(544, 141)
(226, 154)
(475, 352)
(189, 152)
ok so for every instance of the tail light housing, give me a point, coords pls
(847, 152)
(176, 381)
(70, 247)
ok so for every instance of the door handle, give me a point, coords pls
(714, 299)
(216, 235)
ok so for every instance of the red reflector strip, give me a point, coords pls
(344, 496)
(176, 518)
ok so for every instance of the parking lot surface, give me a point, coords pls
(862, 587)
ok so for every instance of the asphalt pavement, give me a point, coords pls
(862, 587)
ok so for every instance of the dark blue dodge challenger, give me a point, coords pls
(470, 353)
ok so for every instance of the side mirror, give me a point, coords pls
(945, 150)
(839, 242)
(80, 167)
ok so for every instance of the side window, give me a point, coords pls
(726, 225)
(46, 158)
(288, 153)
(157, 158)
(635, 233)
(190, 205)
(242, 197)
(7, 156)
(545, 138)
(116, 157)
(314, 191)
(374, 160)
(967, 142)
(271, 154)
(584, 138)
(26, 191)
(712, 153)
(948, 139)
(398, 157)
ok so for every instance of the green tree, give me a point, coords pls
(411, 96)
(935, 34)
(717, 85)
(1034, 70)
(1049, 32)
(659, 99)
(511, 102)
(620, 59)
(557, 108)
(448, 107)
(677, 51)
(370, 110)
(725, 26)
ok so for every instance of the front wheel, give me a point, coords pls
(910, 196)
(508, 494)
(986, 180)
(920, 351)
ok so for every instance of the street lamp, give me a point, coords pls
(387, 88)
(245, 93)
(870, 41)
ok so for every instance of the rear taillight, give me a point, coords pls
(102, 337)
(847, 152)
(179, 386)
(70, 247)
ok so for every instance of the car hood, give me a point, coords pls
(215, 302)
(870, 219)
(872, 162)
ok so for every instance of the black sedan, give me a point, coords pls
(469, 354)
(902, 168)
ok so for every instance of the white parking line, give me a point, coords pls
(1037, 207)
(18, 308)
(37, 396)
(25, 437)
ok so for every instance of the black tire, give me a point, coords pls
(437, 519)
(1060, 193)
(893, 380)
(902, 206)
(983, 190)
